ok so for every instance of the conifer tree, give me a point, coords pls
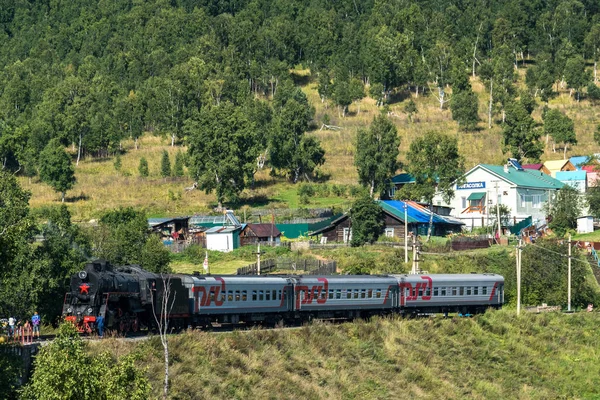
(165, 165)
(178, 167)
(143, 168)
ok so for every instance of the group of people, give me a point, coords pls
(27, 328)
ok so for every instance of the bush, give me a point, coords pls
(143, 168)
(306, 189)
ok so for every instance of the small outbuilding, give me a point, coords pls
(223, 238)
(555, 166)
(585, 224)
(260, 233)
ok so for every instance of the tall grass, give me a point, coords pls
(495, 355)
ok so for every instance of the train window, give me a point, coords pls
(484, 290)
(261, 295)
(223, 296)
(378, 293)
(428, 292)
(420, 292)
(230, 295)
(254, 295)
(356, 293)
(244, 295)
(279, 293)
(435, 291)
(468, 290)
(237, 295)
(338, 294)
(462, 291)
(370, 294)
(330, 294)
(267, 295)
(212, 295)
(443, 291)
(454, 291)
(349, 294)
(274, 294)
(475, 290)
(363, 293)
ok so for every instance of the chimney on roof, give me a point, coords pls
(506, 169)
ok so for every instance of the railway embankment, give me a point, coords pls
(495, 355)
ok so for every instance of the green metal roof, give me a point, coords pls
(476, 196)
(526, 177)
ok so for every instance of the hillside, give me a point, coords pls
(98, 77)
(496, 355)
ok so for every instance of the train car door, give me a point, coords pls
(288, 297)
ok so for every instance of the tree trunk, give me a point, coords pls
(79, 150)
(565, 151)
(416, 91)
(430, 228)
(173, 139)
(63, 197)
(166, 383)
(136, 143)
(554, 147)
(490, 105)
(372, 188)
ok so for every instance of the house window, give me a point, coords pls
(463, 202)
(392, 192)
(389, 232)
(536, 201)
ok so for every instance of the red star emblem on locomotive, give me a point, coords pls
(84, 288)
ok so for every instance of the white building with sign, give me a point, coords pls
(485, 186)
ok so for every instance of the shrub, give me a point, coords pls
(306, 189)
(143, 168)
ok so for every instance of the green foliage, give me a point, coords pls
(306, 189)
(367, 221)
(593, 200)
(56, 168)
(464, 107)
(376, 92)
(143, 168)
(521, 138)
(593, 92)
(64, 370)
(597, 134)
(165, 165)
(410, 108)
(118, 164)
(11, 367)
(564, 210)
(122, 238)
(560, 127)
(435, 163)
(178, 167)
(376, 156)
(575, 73)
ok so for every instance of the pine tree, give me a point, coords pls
(117, 163)
(143, 168)
(178, 167)
(165, 165)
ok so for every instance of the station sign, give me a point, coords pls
(471, 185)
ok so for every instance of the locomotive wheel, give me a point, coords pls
(122, 326)
(135, 325)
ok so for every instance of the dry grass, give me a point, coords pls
(99, 186)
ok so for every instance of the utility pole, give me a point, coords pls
(405, 232)
(569, 278)
(258, 253)
(415, 265)
(498, 213)
(519, 275)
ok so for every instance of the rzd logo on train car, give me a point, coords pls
(317, 292)
(413, 292)
(213, 293)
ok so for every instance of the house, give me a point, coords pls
(397, 182)
(555, 166)
(260, 233)
(537, 167)
(593, 173)
(580, 161)
(522, 191)
(576, 179)
(223, 238)
(417, 217)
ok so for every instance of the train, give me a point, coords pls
(130, 298)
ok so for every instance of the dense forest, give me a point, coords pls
(210, 74)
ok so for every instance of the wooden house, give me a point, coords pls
(260, 233)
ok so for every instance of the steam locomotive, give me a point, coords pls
(130, 298)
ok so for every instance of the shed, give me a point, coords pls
(585, 224)
(223, 238)
(260, 233)
(576, 179)
(175, 228)
(555, 166)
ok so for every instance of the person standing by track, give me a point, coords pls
(100, 325)
(35, 322)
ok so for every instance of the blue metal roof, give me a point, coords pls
(415, 214)
(578, 161)
(571, 176)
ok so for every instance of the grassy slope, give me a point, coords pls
(99, 186)
(493, 356)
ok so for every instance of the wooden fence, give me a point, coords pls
(470, 242)
(315, 245)
(300, 266)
